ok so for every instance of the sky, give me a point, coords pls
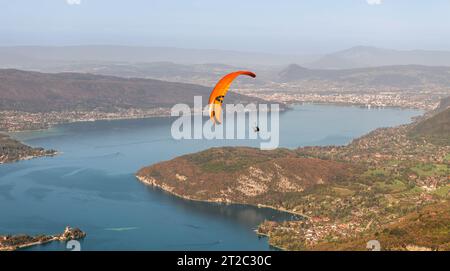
(282, 26)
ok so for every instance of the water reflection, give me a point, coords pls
(244, 215)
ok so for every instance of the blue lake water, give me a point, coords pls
(91, 184)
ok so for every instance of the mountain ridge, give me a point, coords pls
(43, 92)
(369, 56)
(24, 55)
(398, 75)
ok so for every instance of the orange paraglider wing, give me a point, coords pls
(218, 94)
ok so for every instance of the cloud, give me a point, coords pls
(73, 2)
(374, 2)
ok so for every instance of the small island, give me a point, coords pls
(15, 242)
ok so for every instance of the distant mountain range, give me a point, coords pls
(365, 56)
(38, 92)
(398, 76)
(44, 56)
(204, 74)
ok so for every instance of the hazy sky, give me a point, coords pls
(282, 26)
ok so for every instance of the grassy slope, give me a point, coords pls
(435, 129)
(44, 92)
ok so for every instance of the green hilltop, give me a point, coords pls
(435, 129)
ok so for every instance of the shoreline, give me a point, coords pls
(161, 187)
(150, 183)
(16, 242)
(288, 107)
(260, 230)
(146, 182)
(53, 125)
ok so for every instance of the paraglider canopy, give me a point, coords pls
(219, 92)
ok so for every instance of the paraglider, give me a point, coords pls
(219, 92)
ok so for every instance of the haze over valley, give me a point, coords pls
(87, 76)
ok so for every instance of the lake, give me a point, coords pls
(91, 183)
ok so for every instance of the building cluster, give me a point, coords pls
(426, 98)
(17, 120)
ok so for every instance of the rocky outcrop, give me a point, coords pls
(242, 175)
(14, 242)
